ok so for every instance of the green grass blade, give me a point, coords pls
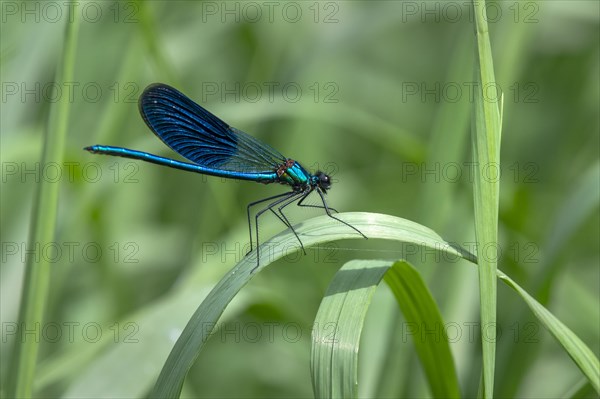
(318, 231)
(486, 157)
(582, 199)
(313, 231)
(575, 347)
(338, 326)
(583, 389)
(339, 323)
(420, 310)
(43, 224)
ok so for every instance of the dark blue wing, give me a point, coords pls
(201, 137)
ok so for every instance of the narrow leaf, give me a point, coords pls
(486, 159)
(575, 347)
(422, 313)
(43, 225)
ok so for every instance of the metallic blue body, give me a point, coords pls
(269, 177)
(296, 176)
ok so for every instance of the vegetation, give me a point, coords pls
(116, 257)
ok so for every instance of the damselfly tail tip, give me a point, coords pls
(91, 148)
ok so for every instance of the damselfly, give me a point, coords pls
(217, 149)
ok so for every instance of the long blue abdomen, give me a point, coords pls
(268, 177)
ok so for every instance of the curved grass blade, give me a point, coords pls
(575, 347)
(338, 326)
(321, 230)
(339, 322)
(420, 309)
(313, 231)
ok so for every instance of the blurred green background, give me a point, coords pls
(379, 95)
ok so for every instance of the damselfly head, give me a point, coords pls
(323, 181)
